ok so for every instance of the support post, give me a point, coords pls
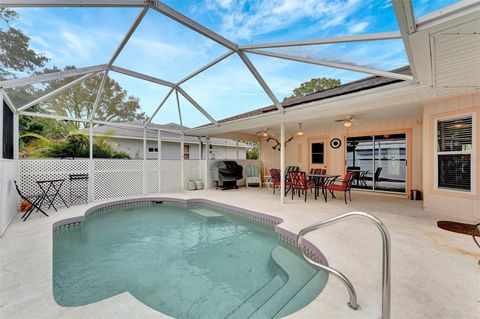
(16, 128)
(91, 165)
(238, 151)
(282, 161)
(207, 157)
(144, 161)
(159, 162)
(200, 150)
(182, 163)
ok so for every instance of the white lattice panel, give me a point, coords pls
(171, 172)
(118, 178)
(191, 170)
(37, 170)
(152, 176)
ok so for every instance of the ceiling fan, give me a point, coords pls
(264, 132)
(347, 121)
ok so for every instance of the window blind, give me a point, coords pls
(454, 135)
(454, 148)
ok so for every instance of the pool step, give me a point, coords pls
(300, 274)
(305, 295)
(207, 213)
(257, 299)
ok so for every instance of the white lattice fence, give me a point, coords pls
(191, 170)
(118, 178)
(171, 172)
(32, 171)
(152, 176)
(113, 178)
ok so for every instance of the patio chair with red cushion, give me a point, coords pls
(299, 183)
(276, 178)
(345, 186)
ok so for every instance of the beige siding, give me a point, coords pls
(456, 204)
(335, 157)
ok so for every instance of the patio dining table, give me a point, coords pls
(322, 180)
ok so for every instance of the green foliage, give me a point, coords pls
(115, 104)
(314, 85)
(15, 52)
(253, 149)
(16, 56)
(73, 146)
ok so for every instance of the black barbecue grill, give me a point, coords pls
(226, 174)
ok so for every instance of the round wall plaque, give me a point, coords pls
(335, 143)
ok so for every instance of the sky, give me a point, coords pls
(162, 48)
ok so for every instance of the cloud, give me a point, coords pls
(358, 27)
(244, 19)
(79, 45)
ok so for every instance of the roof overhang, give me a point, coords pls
(379, 99)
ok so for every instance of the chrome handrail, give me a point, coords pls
(386, 283)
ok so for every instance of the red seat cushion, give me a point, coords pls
(338, 188)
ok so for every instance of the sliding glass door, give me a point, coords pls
(360, 160)
(379, 162)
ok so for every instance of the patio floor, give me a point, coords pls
(435, 273)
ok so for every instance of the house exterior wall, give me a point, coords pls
(172, 151)
(297, 151)
(9, 199)
(460, 205)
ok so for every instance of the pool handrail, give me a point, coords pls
(386, 258)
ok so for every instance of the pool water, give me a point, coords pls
(194, 262)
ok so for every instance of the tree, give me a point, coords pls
(15, 52)
(115, 104)
(313, 86)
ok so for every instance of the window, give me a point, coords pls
(7, 132)
(186, 152)
(317, 149)
(153, 150)
(454, 152)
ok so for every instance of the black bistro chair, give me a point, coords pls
(34, 200)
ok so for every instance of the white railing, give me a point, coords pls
(117, 178)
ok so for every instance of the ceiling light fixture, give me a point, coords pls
(347, 123)
(264, 134)
(300, 132)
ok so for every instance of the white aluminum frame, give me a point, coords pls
(407, 25)
(403, 11)
(141, 76)
(187, 22)
(336, 65)
(341, 39)
(55, 92)
(47, 77)
(159, 106)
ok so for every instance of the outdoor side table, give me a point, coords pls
(322, 180)
(78, 189)
(267, 181)
(51, 190)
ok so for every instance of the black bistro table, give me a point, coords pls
(50, 191)
(323, 180)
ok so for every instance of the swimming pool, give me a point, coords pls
(184, 260)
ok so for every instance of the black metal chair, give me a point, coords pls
(34, 200)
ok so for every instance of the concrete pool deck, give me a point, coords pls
(435, 273)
